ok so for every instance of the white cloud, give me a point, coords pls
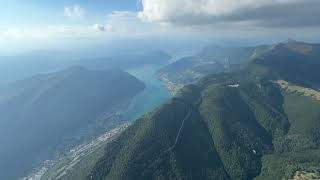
(120, 23)
(127, 23)
(74, 11)
(103, 28)
(262, 12)
(166, 10)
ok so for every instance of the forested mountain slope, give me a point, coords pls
(240, 125)
(210, 60)
(41, 114)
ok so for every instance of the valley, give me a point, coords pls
(160, 90)
(63, 166)
(84, 156)
(50, 113)
(231, 123)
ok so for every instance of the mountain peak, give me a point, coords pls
(296, 46)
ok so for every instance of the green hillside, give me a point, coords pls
(210, 60)
(293, 61)
(239, 126)
(52, 112)
(161, 146)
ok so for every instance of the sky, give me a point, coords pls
(38, 24)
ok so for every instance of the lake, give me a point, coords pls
(153, 95)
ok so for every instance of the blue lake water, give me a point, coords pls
(153, 95)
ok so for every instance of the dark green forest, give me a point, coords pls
(237, 125)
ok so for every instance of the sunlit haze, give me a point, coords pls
(80, 24)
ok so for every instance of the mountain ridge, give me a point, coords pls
(60, 109)
(244, 119)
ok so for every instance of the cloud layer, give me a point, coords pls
(262, 13)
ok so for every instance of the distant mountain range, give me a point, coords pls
(19, 67)
(210, 60)
(259, 122)
(49, 113)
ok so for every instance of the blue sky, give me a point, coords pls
(44, 12)
(47, 24)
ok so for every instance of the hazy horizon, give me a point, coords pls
(77, 25)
